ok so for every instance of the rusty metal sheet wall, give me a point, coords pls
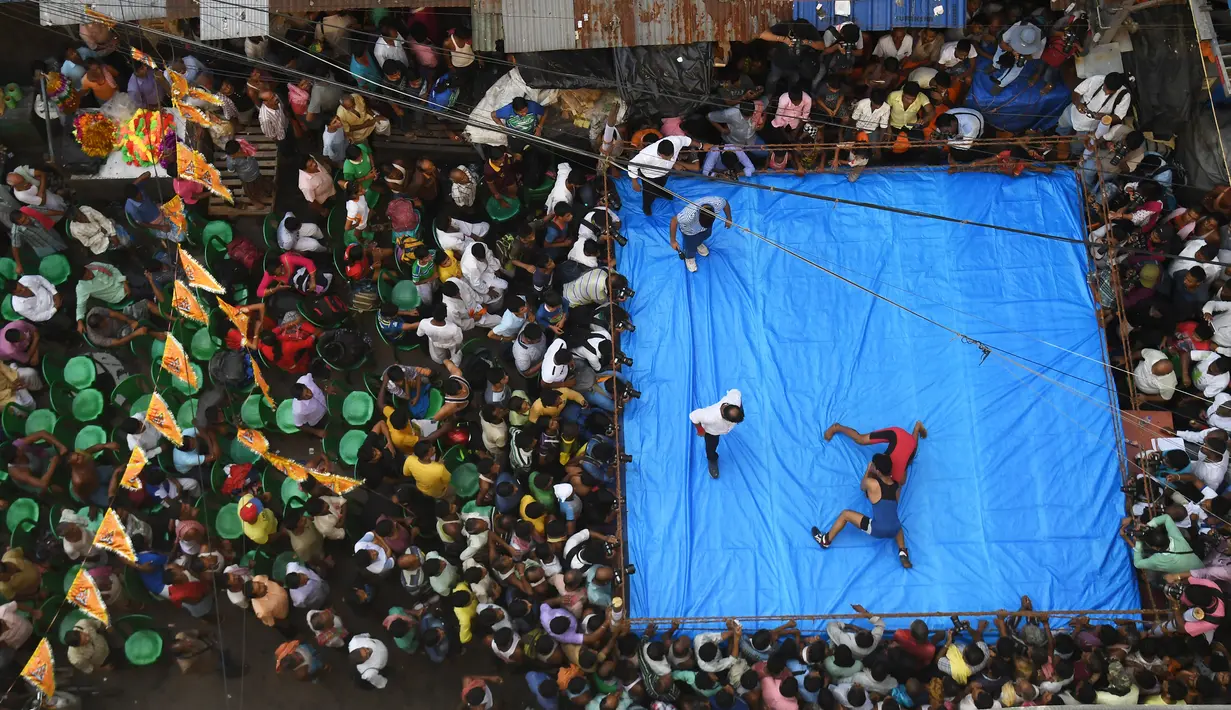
(486, 24)
(630, 23)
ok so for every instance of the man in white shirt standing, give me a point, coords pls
(714, 421)
(1094, 98)
(1155, 376)
(653, 165)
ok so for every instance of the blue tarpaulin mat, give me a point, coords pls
(1015, 492)
(1019, 107)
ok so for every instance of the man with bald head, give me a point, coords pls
(1154, 376)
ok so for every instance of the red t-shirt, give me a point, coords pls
(924, 652)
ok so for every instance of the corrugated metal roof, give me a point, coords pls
(486, 24)
(629, 23)
(538, 25)
(878, 15)
(178, 9)
(228, 20)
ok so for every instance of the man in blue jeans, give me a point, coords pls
(696, 223)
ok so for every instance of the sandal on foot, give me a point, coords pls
(821, 539)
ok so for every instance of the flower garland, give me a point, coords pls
(96, 133)
(142, 138)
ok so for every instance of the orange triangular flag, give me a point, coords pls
(253, 439)
(144, 58)
(132, 470)
(185, 301)
(179, 84)
(197, 276)
(40, 670)
(96, 16)
(239, 318)
(203, 95)
(192, 165)
(290, 467)
(260, 381)
(194, 114)
(112, 536)
(173, 210)
(159, 416)
(85, 596)
(338, 484)
(175, 361)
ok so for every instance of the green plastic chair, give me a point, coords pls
(143, 647)
(285, 417)
(242, 454)
(91, 435)
(217, 235)
(291, 492)
(88, 405)
(68, 621)
(156, 349)
(503, 214)
(537, 196)
(129, 390)
(465, 480)
(435, 400)
(7, 310)
(140, 404)
(454, 458)
(61, 397)
(41, 420)
(70, 576)
(227, 523)
(202, 346)
(21, 513)
(256, 412)
(13, 421)
(184, 387)
(8, 269)
(406, 295)
(280, 563)
(80, 372)
(53, 368)
(55, 268)
(187, 413)
(348, 447)
(357, 408)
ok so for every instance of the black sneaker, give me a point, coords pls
(822, 539)
(714, 469)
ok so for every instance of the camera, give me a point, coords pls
(623, 359)
(619, 238)
(1121, 151)
(624, 293)
(620, 573)
(626, 458)
(630, 393)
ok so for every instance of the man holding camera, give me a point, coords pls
(696, 222)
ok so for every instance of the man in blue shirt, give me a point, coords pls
(522, 115)
(544, 689)
(142, 209)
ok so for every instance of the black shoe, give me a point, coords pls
(822, 539)
(714, 469)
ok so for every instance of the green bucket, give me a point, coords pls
(503, 214)
(79, 372)
(88, 405)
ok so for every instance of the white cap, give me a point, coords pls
(563, 491)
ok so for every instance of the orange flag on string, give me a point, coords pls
(175, 361)
(253, 439)
(194, 114)
(112, 536)
(197, 275)
(40, 670)
(85, 596)
(144, 58)
(203, 95)
(173, 209)
(239, 318)
(338, 484)
(292, 468)
(185, 301)
(260, 381)
(192, 165)
(132, 470)
(159, 416)
(179, 84)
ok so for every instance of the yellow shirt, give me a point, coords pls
(25, 580)
(465, 615)
(404, 440)
(539, 523)
(901, 116)
(351, 120)
(538, 409)
(449, 268)
(432, 479)
(266, 524)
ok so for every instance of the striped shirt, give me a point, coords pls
(590, 287)
(689, 218)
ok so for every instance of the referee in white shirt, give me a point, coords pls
(653, 165)
(696, 222)
(714, 421)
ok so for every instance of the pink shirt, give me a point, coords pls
(772, 699)
(790, 114)
(188, 190)
(425, 54)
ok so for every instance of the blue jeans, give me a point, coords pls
(692, 241)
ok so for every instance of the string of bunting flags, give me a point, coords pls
(111, 535)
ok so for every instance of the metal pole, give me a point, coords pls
(42, 88)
